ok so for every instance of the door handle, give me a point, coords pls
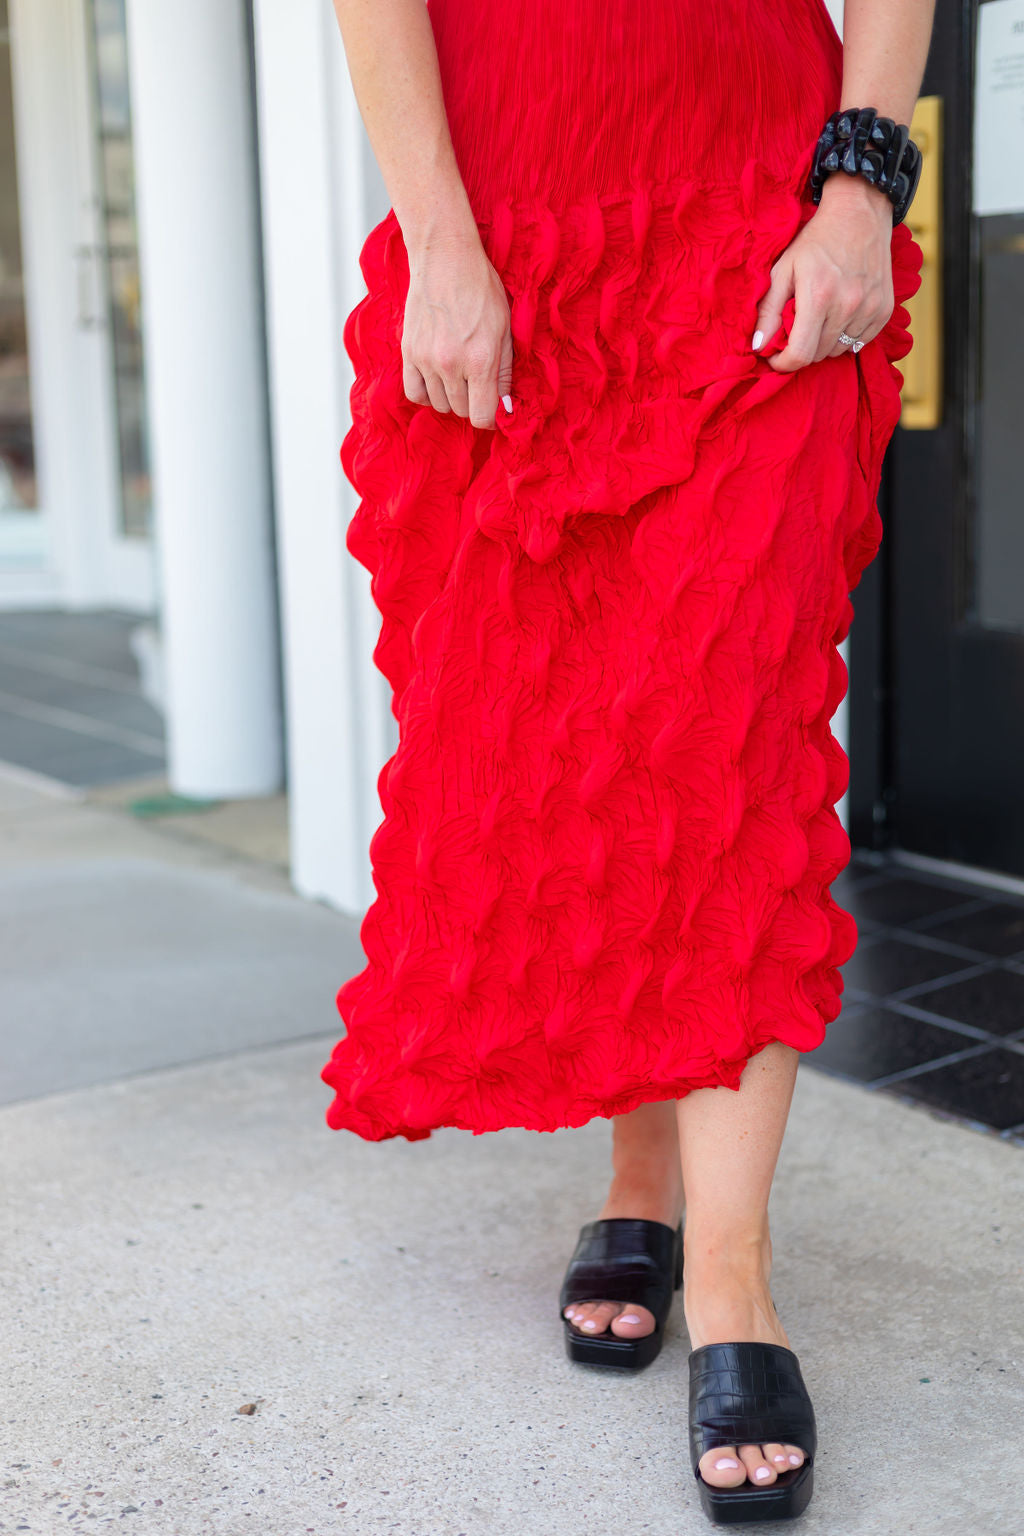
(921, 393)
(88, 278)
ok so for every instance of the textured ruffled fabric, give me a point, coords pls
(610, 625)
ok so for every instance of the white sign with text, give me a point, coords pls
(999, 108)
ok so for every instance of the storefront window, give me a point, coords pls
(997, 297)
(998, 526)
(17, 449)
(117, 192)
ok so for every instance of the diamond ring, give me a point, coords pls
(850, 341)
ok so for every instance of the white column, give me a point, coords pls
(320, 195)
(196, 188)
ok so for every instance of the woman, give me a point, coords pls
(624, 381)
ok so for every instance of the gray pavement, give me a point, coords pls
(70, 699)
(183, 1237)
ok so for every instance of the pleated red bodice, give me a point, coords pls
(560, 99)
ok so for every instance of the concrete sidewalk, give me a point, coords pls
(183, 1237)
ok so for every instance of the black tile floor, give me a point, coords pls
(933, 1001)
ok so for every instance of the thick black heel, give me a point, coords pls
(622, 1259)
(751, 1394)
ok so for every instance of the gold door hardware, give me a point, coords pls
(921, 394)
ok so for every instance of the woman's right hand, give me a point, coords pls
(457, 333)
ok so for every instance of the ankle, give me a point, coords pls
(727, 1291)
(645, 1146)
(646, 1192)
(745, 1252)
(651, 1168)
(646, 1174)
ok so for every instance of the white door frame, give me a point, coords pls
(86, 561)
(321, 193)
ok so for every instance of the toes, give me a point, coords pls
(633, 1323)
(760, 1472)
(722, 1467)
(593, 1317)
(777, 1456)
(625, 1320)
(727, 1466)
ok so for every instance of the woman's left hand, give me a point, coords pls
(838, 271)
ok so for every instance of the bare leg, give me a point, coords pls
(646, 1183)
(729, 1145)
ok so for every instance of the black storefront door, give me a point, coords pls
(937, 646)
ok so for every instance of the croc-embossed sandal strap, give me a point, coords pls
(751, 1394)
(622, 1258)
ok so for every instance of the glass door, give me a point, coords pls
(119, 257)
(954, 667)
(21, 543)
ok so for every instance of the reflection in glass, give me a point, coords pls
(117, 190)
(999, 508)
(17, 448)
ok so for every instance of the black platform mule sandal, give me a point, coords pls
(621, 1258)
(751, 1394)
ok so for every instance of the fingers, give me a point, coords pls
(804, 344)
(414, 384)
(769, 311)
(438, 394)
(483, 403)
(476, 394)
(812, 304)
(456, 387)
(483, 393)
(826, 309)
(817, 325)
(864, 325)
(487, 376)
(850, 329)
(505, 372)
(833, 291)
(456, 337)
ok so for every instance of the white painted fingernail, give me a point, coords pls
(796, 1460)
(726, 1465)
(763, 1472)
(629, 1318)
(506, 401)
(758, 339)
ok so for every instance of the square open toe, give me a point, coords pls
(751, 1394)
(625, 1259)
(787, 1497)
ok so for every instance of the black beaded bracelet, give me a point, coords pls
(860, 142)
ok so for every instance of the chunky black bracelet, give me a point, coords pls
(860, 142)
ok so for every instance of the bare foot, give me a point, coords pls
(648, 1186)
(726, 1297)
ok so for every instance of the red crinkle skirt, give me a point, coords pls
(610, 624)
